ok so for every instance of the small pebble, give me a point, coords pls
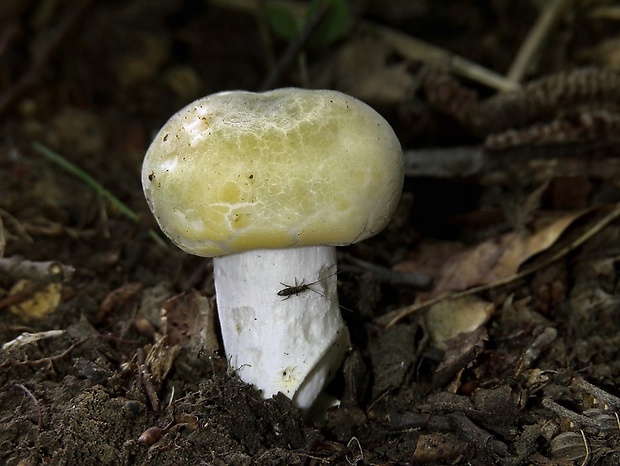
(150, 436)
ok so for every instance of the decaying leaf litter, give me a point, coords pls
(510, 206)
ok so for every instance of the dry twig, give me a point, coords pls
(46, 360)
(145, 376)
(45, 272)
(36, 404)
(295, 48)
(409, 47)
(535, 39)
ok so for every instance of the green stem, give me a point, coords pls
(95, 186)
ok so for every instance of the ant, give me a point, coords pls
(298, 288)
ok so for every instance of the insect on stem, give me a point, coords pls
(298, 288)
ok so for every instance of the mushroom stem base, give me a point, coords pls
(292, 342)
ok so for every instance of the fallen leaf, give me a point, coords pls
(447, 319)
(459, 352)
(190, 323)
(519, 212)
(116, 298)
(501, 257)
(160, 359)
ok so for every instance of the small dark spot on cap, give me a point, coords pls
(166, 137)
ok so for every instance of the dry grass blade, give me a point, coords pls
(409, 47)
(417, 50)
(536, 38)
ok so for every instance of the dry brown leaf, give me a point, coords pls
(519, 212)
(429, 256)
(190, 323)
(160, 359)
(117, 298)
(501, 257)
(447, 319)
(459, 352)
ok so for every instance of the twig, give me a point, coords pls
(611, 12)
(417, 50)
(36, 403)
(394, 317)
(577, 418)
(49, 359)
(145, 375)
(358, 457)
(46, 272)
(44, 54)
(409, 47)
(417, 281)
(535, 39)
(15, 222)
(598, 159)
(597, 393)
(27, 338)
(94, 184)
(444, 162)
(475, 435)
(586, 447)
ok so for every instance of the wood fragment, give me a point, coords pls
(408, 47)
(540, 101)
(477, 436)
(533, 43)
(599, 159)
(47, 360)
(45, 272)
(36, 404)
(145, 376)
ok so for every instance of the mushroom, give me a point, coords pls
(268, 184)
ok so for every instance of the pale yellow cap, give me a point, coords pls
(236, 171)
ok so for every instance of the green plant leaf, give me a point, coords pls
(333, 25)
(282, 22)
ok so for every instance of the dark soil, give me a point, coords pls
(115, 383)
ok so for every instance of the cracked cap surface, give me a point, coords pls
(237, 170)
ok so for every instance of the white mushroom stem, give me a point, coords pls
(291, 344)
